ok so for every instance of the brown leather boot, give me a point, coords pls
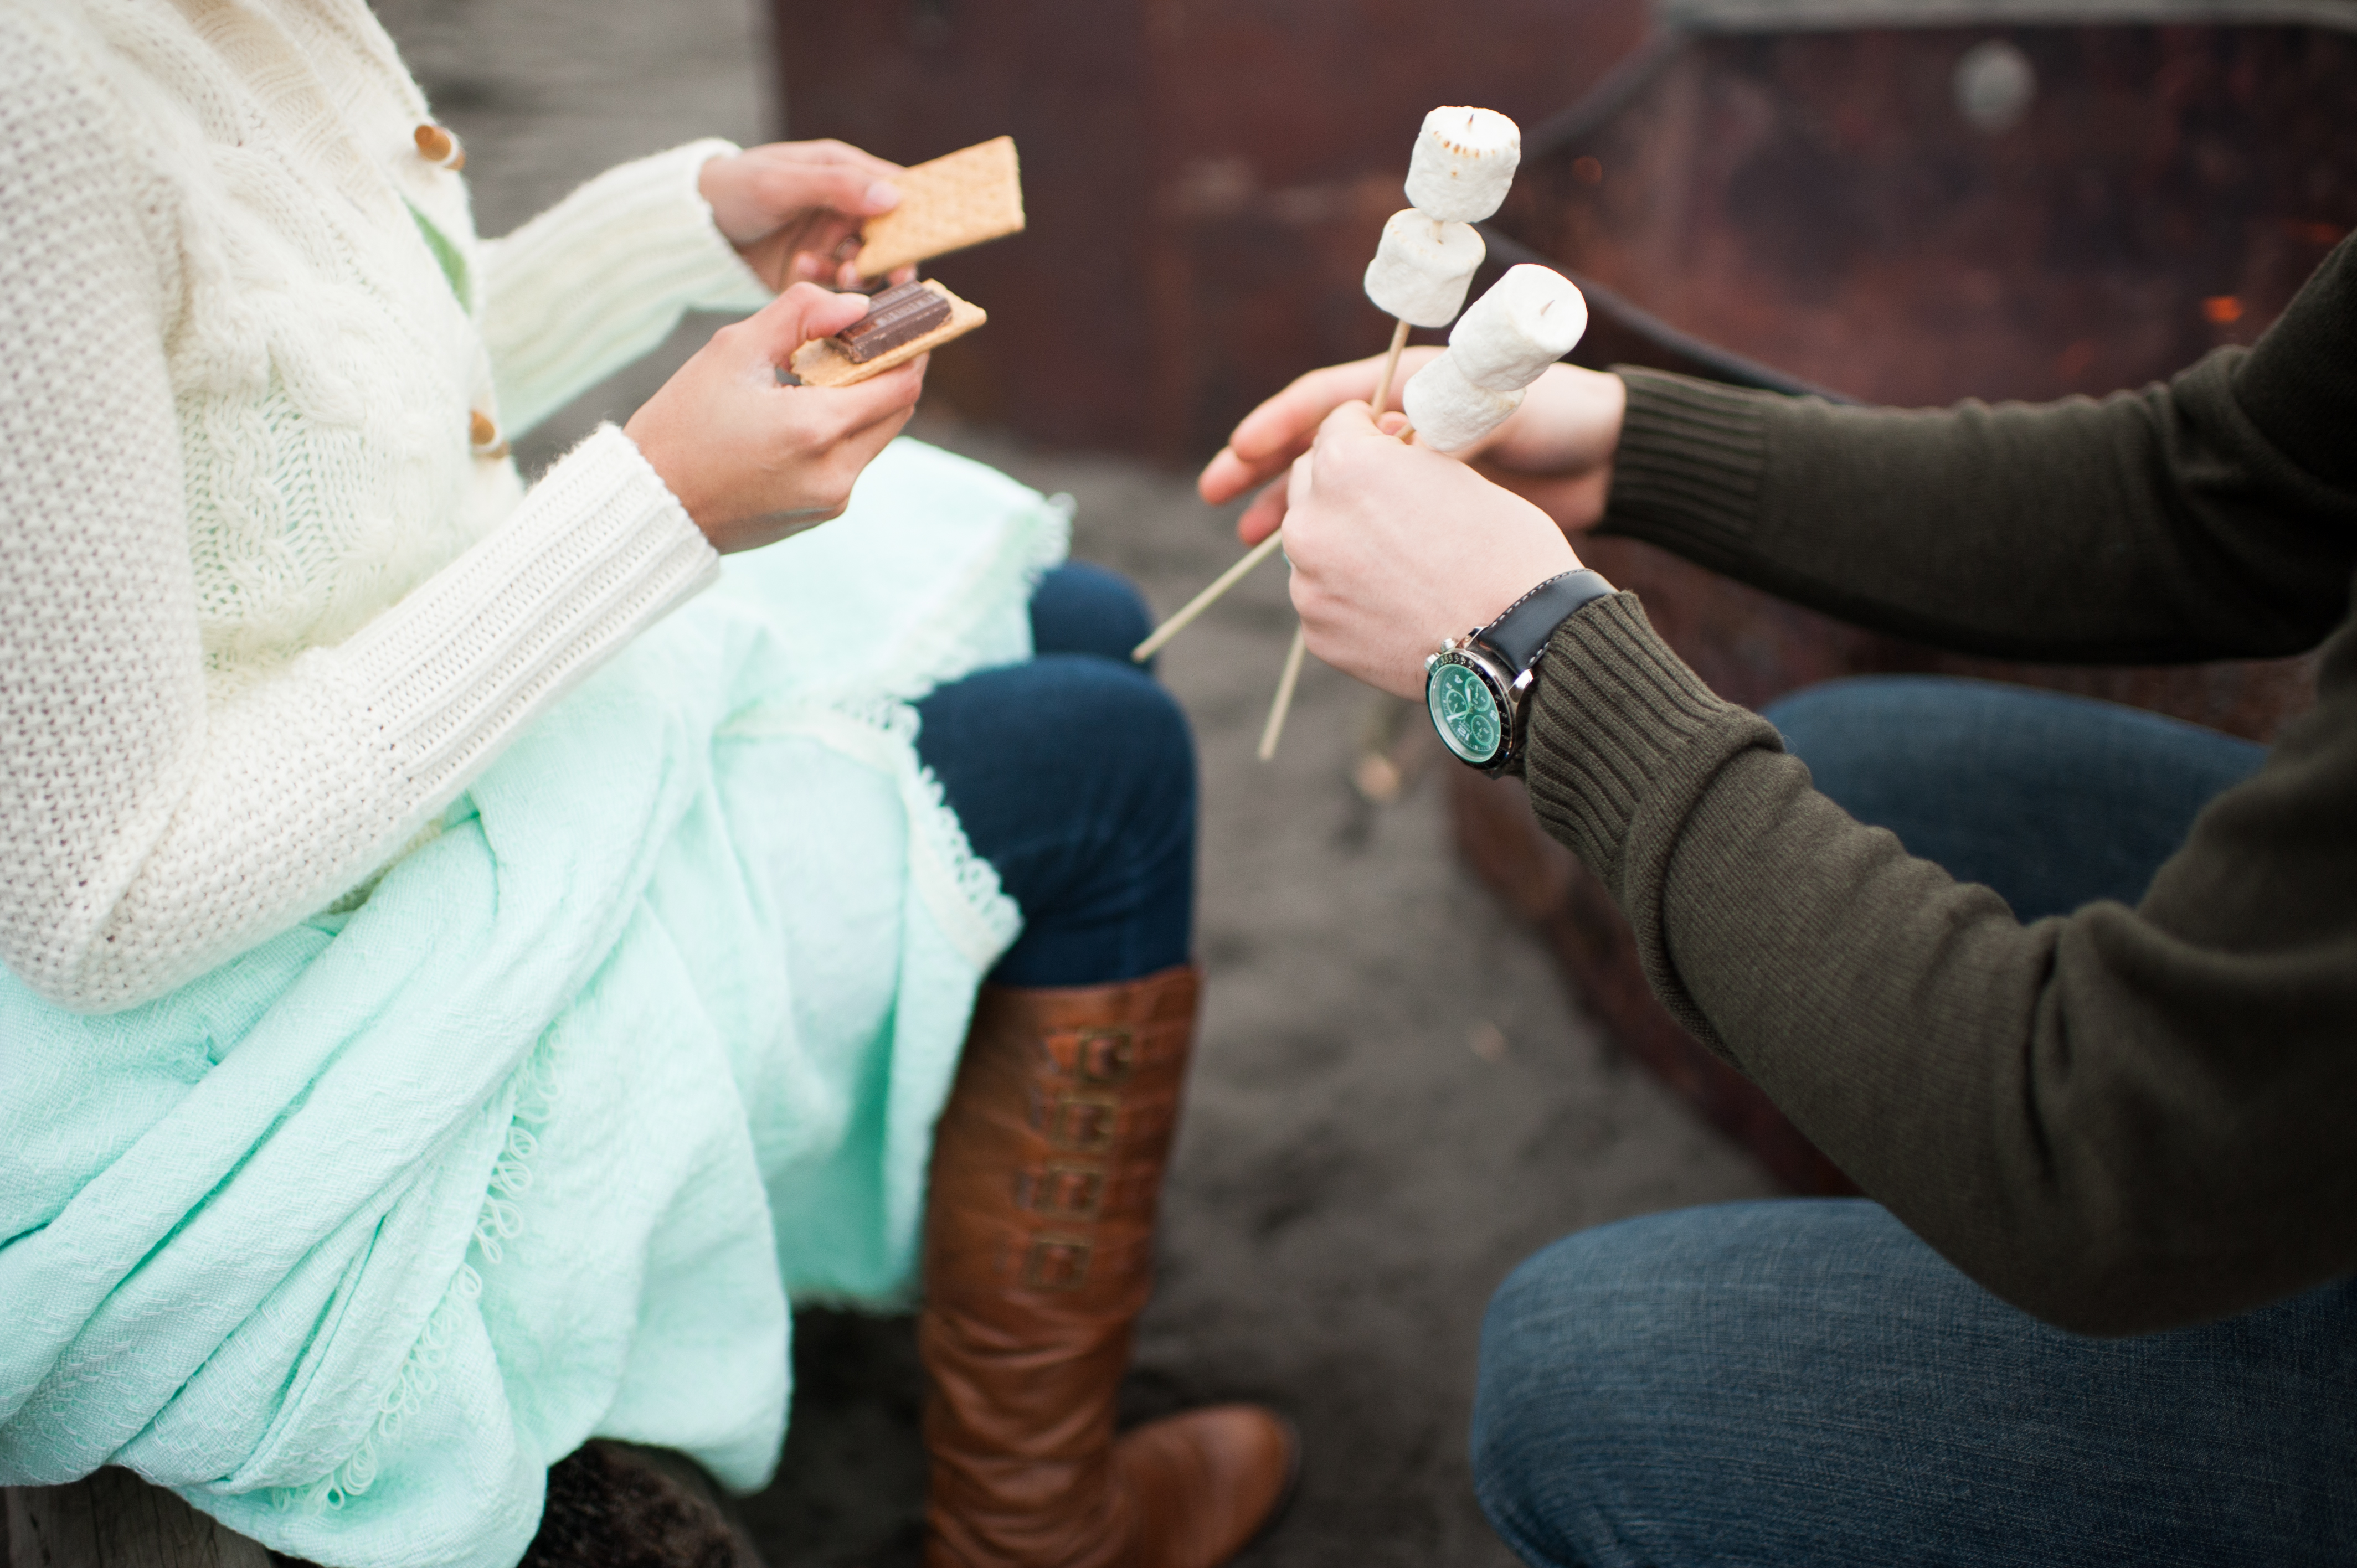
(1039, 1255)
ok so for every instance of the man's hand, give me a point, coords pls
(1394, 547)
(753, 461)
(1557, 450)
(795, 209)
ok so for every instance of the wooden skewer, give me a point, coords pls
(1391, 368)
(1208, 597)
(1283, 705)
(1285, 685)
(1237, 573)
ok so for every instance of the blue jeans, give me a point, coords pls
(2053, 800)
(1074, 776)
(1807, 1382)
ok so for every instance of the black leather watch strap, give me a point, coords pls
(1521, 632)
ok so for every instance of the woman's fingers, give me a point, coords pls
(803, 312)
(855, 191)
(827, 150)
(861, 428)
(847, 276)
(858, 408)
(787, 205)
(826, 174)
(887, 410)
(745, 454)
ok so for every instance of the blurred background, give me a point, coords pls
(1426, 1048)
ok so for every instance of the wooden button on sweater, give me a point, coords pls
(439, 146)
(483, 436)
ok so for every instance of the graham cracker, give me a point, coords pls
(820, 362)
(954, 201)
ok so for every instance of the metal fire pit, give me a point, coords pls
(1897, 201)
(1903, 204)
(1205, 178)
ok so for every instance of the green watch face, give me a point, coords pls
(1463, 712)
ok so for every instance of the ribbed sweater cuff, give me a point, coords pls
(600, 278)
(1688, 470)
(640, 230)
(598, 551)
(704, 270)
(1625, 743)
(1618, 721)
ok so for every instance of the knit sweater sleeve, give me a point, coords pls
(2212, 516)
(146, 834)
(600, 278)
(2122, 1119)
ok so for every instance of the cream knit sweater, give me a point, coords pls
(264, 607)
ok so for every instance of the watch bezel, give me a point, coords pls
(1507, 690)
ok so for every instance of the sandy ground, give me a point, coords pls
(1395, 1100)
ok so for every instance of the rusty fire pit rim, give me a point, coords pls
(1822, 15)
(1710, 360)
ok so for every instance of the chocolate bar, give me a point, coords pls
(901, 314)
(824, 362)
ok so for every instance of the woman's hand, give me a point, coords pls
(753, 461)
(795, 209)
(1395, 548)
(1557, 450)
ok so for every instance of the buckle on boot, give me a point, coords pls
(1107, 1055)
(1083, 1123)
(1065, 1192)
(1057, 1262)
(1094, 1056)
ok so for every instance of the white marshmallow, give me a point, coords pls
(1463, 162)
(1528, 320)
(1450, 413)
(1423, 267)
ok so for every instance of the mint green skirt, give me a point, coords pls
(348, 1240)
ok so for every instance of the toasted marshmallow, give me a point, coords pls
(1463, 162)
(1528, 320)
(1422, 268)
(1450, 413)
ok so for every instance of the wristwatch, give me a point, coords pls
(1478, 690)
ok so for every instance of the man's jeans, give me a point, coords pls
(1806, 1382)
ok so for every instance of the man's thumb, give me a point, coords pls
(1350, 421)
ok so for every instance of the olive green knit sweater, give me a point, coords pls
(2122, 1119)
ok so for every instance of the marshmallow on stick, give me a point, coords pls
(1423, 267)
(1463, 162)
(1531, 318)
(1449, 412)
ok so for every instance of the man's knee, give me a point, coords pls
(1606, 1355)
(1559, 1338)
